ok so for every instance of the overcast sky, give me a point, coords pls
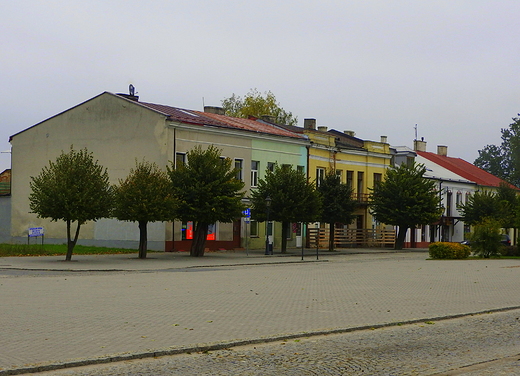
(374, 67)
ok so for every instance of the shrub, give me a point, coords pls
(509, 250)
(446, 250)
(485, 238)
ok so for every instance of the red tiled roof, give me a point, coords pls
(206, 118)
(464, 169)
(251, 125)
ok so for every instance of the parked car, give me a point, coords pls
(504, 239)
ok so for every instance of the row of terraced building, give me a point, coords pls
(120, 129)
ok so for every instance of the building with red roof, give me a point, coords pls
(456, 180)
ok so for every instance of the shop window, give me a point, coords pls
(187, 231)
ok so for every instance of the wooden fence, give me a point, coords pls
(348, 238)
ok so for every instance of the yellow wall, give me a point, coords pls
(374, 158)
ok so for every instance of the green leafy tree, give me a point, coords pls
(503, 161)
(507, 200)
(293, 199)
(405, 199)
(74, 188)
(485, 238)
(338, 204)
(144, 196)
(257, 104)
(499, 206)
(206, 191)
(480, 205)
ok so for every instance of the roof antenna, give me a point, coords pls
(415, 131)
(203, 105)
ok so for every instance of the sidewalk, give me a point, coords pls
(174, 303)
(179, 260)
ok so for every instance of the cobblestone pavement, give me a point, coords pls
(92, 315)
(461, 346)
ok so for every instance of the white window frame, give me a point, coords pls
(254, 173)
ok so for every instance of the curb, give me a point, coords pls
(166, 269)
(228, 344)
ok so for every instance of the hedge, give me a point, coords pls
(447, 250)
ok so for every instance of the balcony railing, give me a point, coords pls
(362, 198)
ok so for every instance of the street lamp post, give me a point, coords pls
(268, 208)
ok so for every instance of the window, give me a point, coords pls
(255, 165)
(350, 179)
(180, 159)
(377, 178)
(448, 202)
(458, 199)
(320, 175)
(187, 231)
(360, 177)
(238, 166)
(253, 229)
(286, 166)
(270, 166)
(300, 169)
(340, 174)
(468, 195)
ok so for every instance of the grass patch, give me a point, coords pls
(7, 250)
(495, 258)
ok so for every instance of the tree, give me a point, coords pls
(257, 105)
(293, 199)
(405, 199)
(499, 206)
(144, 196)
(74, 188)
(480, 205)
(507, 200)
(206, 191)
(503, 161)
(485, 238)
(337, 203)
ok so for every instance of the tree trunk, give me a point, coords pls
(71, 242)
(143, 239)
(284, 236)
(401, 235)
(332, 228)
(199, 239)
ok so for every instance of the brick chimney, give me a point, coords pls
(309, 124)
(442, 150)
(384, 139)
(214, 110)
(350, 133)
(322, 128)
(419, 145)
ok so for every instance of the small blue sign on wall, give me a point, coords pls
(35, 231)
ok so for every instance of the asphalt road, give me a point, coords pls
(484, 345)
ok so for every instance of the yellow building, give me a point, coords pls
(359, 163)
